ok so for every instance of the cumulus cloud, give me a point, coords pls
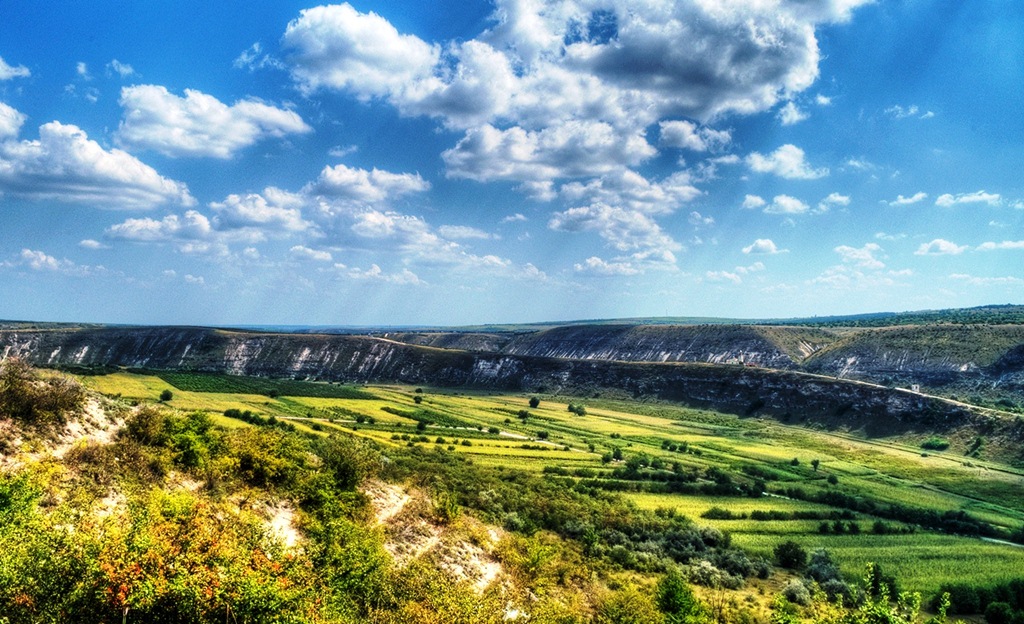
(375, 273)
(822, 100)
(273, 210)
(790, 114)
(596, 266)
(570, 150)
(723, 276)
(41, 262)
(978, 197)
(866, 257)
(123, 70)
(833, 199)
(987, 281)
(337, 47)
(8, 72)
(301, 252)
(192, 226)
(630, 190)
(751, 202)
(784, 204)
(904, 112)
(199, 124)
(514, 218)
(624, 230)
(688, 135)
(763, 246)
(698, 220)
(463, 232)
(992, 246)
(906, 201)
(572, 60)
(786, 162)
(65, 165)
(940, 247)
(11, 121)
(92, 244)
(363, 186)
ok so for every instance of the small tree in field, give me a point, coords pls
(166, 395)
(534, 402)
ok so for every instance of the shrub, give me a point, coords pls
(797, 593)
(790, 555)
(166, 395)
(998, 613)
(534, 402)
(935, 444)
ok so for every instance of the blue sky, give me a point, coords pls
(508, 161)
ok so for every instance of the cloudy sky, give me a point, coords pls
(465, 161)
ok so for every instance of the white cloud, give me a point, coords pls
(978, 197)
(763, 246)
(625, 230)
(11, 121)
(992, 246)
(649, 60)
(82, 70)
(688, 135)
(790, 114)
(199, 124)
(630, 190)
(722, 276)
(514, 218)
(92, 244)
(784, 204)
(596, 266)
(198, 280)
(866, 257)
(273, 210)
(698, 220)
(889, 237)
(736, 275)
(123, 70)
(786, 162)
(65, 165)
(906, 201)
(192, 226)
(940, 247)
(751, 202)
(463, 232)
(405, 276)
(822, 100)
(900, 112)
(362, 186)
(302, 252)
(987, 281)
(337, 47)
(7, 71)
(570, 150)
(253, 58)
(833, 199)
(42, 262)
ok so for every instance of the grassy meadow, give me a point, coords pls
(761, 481)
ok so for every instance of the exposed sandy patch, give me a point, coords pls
(467, 561)
(386, 499)
(282, 523)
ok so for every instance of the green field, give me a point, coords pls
(718, 461)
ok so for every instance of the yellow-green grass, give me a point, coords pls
(921, 561)
(694, 506)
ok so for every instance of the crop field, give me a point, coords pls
(763, 482)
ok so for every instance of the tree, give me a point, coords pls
(815, 463)
(534, 402)
(166, 395)
(675, 599)
(790, 555)
(543, 435)
(417, 399)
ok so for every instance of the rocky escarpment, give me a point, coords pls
(770, 347)
(732, 388)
